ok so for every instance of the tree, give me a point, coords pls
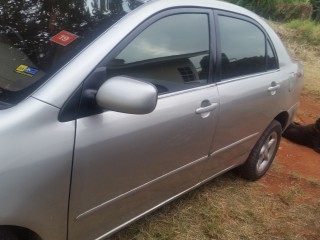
(315, 10)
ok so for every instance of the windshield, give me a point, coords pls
(37, 37)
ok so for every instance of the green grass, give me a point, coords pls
(306, 31)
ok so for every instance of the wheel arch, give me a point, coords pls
(20, 232)
(283, 119)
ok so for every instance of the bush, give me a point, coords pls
(315, 10)
(261, 7)
(280, 10)
(307, 31)
(291, 11)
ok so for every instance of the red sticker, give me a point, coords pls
(64, 38)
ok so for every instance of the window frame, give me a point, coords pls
(241, 17)
(86, 92)
(167, 13)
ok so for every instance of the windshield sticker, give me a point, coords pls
(64, 38)
(26, 70)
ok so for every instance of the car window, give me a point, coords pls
(172, 53)
(272, 62)
(243, 48)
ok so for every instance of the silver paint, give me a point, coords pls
(125, 166)
(122, 94)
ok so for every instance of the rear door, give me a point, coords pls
(125, 165)
(249, 87)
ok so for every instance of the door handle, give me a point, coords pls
(206, 109)
(274, 88)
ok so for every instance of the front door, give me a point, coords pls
(125, 165)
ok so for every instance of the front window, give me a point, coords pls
(172, 54)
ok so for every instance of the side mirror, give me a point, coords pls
(127, 95)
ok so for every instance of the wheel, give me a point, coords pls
(7, 235)
(262, 153)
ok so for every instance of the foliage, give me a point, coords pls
(259, 6)
(281, 10)
(287, 12)
(307, 31)
(315, 10)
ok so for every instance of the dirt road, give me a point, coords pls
(297, 165)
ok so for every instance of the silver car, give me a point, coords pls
(112, 108)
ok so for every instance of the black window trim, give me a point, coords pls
(218, 13)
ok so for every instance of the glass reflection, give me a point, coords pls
(172, 53)
(27, 28)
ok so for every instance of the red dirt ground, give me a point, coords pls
(297, 165)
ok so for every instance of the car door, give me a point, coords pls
(126, 165)
(250, 87)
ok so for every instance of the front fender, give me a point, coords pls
(35, 168)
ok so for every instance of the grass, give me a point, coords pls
(314, 183)
(306, 31)
(230, 208)
(289, 194)
(296, 36)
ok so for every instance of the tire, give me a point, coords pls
(7, 235)
(262, 154)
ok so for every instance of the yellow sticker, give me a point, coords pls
(26, 70)
(21, 68)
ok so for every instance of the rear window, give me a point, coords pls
(37, 37)
(245, 49)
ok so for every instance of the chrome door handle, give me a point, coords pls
(274, 88)
(209, 108)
